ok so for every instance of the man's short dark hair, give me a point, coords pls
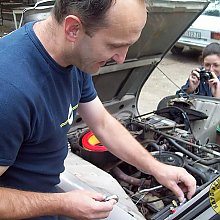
(92, 13)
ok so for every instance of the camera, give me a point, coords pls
(205, 75)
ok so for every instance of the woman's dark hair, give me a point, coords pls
(211, 49)
(92, 13)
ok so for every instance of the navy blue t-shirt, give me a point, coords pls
(38, 100)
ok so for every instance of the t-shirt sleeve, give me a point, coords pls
(14, 124)
(88, 90)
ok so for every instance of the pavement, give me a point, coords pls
(6, 28)
(171, 74)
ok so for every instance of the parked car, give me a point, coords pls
(204, 30)
(180, 132)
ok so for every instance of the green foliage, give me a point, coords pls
(213, 13)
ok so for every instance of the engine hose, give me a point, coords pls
(191, 155)
(154, 146)
(184, 115)
(181, 140)
(130, 179)
(197, 172)
(188, 143)
(202, 187)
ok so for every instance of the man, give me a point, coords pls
(43, 76)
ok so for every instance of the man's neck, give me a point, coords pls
(50, 37)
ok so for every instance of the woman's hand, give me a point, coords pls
(194, 80)
(214, 85)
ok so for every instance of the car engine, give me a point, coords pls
(167, 134)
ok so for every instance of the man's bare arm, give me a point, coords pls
(17, 204)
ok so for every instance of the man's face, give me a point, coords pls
(126, 21)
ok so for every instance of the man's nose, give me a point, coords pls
(120, 56)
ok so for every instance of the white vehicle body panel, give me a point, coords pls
(199, 34)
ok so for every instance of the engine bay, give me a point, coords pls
(168, 135)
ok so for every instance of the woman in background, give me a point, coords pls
(205, 80)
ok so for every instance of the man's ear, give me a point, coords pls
(72, 25)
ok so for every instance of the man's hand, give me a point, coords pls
(177, 179)
(81, 204)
